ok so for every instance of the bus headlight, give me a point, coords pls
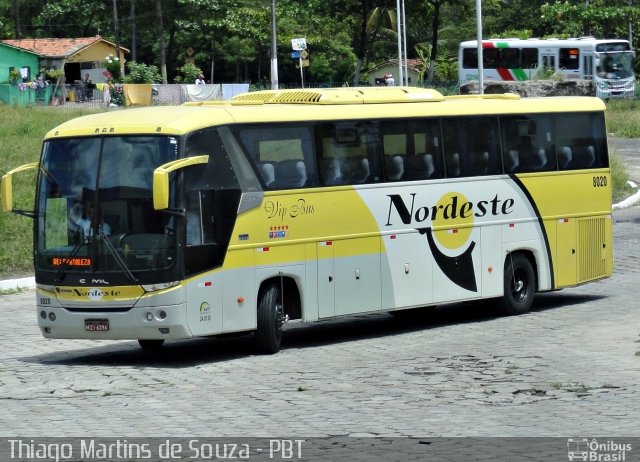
(160, 286)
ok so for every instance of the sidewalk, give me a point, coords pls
(14, 284)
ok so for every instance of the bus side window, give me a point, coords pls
(569, 58)
(395, 147)
(470, 58)
(283, 156)
(482, 146)
(452, 144)
(529, 59)
(527, 144)
(581, 142)
(349, 150)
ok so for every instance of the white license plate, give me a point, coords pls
(96, 325)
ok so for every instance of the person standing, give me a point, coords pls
(200, 80)
(390, 81)
(87, 88)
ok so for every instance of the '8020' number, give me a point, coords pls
(599, 181)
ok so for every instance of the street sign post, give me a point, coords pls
(298, 44)
(300, 52)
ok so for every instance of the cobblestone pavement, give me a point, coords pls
(570, 367)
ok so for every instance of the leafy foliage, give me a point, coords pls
(231, 39)
(188, 72)
(142, 73)
(113, 67)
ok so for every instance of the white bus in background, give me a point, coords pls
(608, 62)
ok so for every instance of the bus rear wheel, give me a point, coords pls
(270, 319)
(519, 285)
(150, 344)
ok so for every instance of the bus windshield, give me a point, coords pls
(615, 65)
(95, 206)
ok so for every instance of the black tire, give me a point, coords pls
(150, 344)
(270, 319)
(519, 285)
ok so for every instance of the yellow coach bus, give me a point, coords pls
(205, 219)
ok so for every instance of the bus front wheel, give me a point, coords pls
(270, 319)
(519, 285)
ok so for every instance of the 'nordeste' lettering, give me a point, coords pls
(96, 293)
(410, 212)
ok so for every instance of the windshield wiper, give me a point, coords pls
(66, 260)
(121, 263)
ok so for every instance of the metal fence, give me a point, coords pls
(176, 94)
(101, 95)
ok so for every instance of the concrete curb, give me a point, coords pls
(14, 284)
(628, 202)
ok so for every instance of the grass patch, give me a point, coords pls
(11, 291)
(623, 118)
(620, 178)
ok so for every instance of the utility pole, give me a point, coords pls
(274, 51)
(630, 27)
(116, 30)
(479, 40)
(400, 48)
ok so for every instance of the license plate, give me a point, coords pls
(96, 325)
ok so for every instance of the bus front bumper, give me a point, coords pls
(158, 322)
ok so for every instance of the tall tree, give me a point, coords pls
(601, 18)
(16, 18)
(162, 53)
(132, 25)
(436, 10)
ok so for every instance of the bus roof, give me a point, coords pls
(538, 42)
(312, 105)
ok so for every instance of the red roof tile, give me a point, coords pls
(54, 47)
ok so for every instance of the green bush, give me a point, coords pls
(112, 65)
(142, 73)
(188, 73)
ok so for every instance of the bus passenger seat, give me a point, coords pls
(590, 156)
(330, 171)
(453, 167)
(394, 166)
(541, 160)
(482, 164)
(355, 170)
(419, 167)
(428, 159)
(513, 161)
(268, 174)
(291, 173)
(564, 157)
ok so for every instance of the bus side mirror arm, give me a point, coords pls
(161, 178)
(6, 189)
